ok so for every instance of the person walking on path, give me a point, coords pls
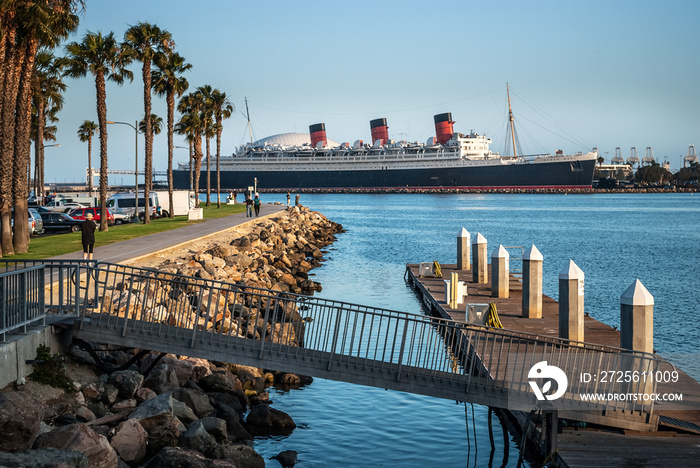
(256, 202)
(288, 198)
(248, 207)
(88, 236)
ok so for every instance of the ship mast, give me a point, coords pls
(247, 114)
(510, 117)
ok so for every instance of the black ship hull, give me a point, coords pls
(559, 174)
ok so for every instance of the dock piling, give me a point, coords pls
(464, 242)
(637, 319)
(500, 272)
(532, 283)
(480, 267)
(571, 302)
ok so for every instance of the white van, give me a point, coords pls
(124, 203)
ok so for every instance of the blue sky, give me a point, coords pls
(582, 74)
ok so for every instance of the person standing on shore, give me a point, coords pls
(256, 202)
(88, 236)
(296, 200)
(288, 198)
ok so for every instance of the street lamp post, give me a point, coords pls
(136, 166)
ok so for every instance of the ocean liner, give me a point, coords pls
(449, 160)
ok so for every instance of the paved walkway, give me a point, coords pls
(132, 249)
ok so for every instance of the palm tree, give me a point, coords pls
(146, 42)
(156, 125)
(209, 130)
(25, 27)
(167, 81)
(104, 59)
(191, 124)
(223, 109)
(85, 132)
(47, 88)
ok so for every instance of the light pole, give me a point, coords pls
(136, 166)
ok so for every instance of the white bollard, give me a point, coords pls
(464, 245)
(500, 259)
(571, 302)
(532, 283)
(480, 270)
(637, 319)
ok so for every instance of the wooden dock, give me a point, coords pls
(581, 447)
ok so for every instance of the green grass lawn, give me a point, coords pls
(51, 246)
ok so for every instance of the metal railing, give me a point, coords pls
(437, 356)
(479, 360)
(21, 300)
(65, 281)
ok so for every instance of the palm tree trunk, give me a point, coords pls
(170, 100)
(208, 172)
(7, 139)
(197, 166)
(218, 168)
(23, 147)
(102, 123)
(148, 166)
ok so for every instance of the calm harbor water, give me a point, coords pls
(614, 238)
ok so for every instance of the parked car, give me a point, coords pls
(60, 222)
(125, 203)
(61, 206)
(38, 222)
(81, 214)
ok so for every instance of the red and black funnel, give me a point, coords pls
(318, 133)
(443, 127)
(379, 129)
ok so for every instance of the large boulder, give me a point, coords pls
(44, 458)
(81, 438)
(242, 455)
(196, 400)
(183, 412)
(20, 419)
(176, 457)
(263, 419)
(127, 382)
(129, 441)
(287, 458)
(216, 427)
(220, 381)
(162, 378)
(235, 430)
(198, 438)
(155, 412)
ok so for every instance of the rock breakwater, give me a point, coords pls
(147, 409)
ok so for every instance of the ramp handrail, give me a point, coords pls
(144, 301)
(21, 300)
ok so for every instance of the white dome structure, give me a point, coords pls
(289, 139)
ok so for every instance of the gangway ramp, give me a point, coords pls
(149, 309)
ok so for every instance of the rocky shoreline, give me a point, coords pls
(126, 407)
